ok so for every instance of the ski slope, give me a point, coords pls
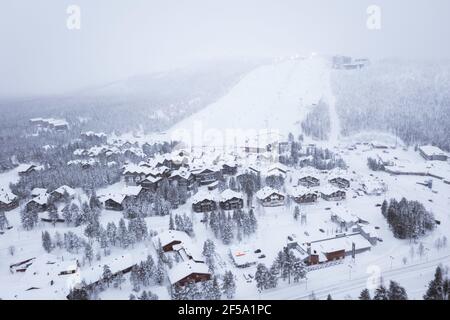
(273, 98)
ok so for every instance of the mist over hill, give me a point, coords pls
(151, 102)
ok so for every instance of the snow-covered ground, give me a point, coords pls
(273, 97)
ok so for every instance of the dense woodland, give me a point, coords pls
(407, 219)
(317, 123)
(410, 100)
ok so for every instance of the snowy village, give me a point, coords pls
(276, 220)
(232, 151)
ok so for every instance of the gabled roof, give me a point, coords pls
(185, 269)
(299, 191)
(169, 236)
(118, 198)
(182, 173)
(230, 194)
(41, 199)
(131, 190)
(267, 192)
(328, 189)
(203, 195)
(61, 190)
(7, 197)
(38, 191)
(25, 167)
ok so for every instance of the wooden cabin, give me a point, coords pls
(231, 200)
(270, 197)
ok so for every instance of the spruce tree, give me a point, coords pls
(261, 276)
(47, 241)
(435, 287)
(88, 252)
(365, 295)
(107, 275)
(381, 293)
(228, 285)
(396, 292)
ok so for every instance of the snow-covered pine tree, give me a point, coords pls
(134, 278)
(365, 295)
(47, 241)
(159, 272)
(296, 212)
(298, 270)
(107, 275)
(29, 218)
(122, 234)
(435, 289)
(67, 214)
(272, 277)
(396, 292)
(171, 223)
(209, 254)
(227, 234)
(228, 285)
(111, 233)
(381, 293)
(261, 276)
(214, 223)
(88, 253)
(188, 225)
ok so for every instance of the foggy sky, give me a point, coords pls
(118, 39)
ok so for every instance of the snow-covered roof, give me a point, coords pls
(340, 243)
(71, 192)
(25, 167)
(329, 189)
(83, 162)
(168, 236)
(344, 215)
(152, 179)
(116, 197)
(203, 195)
(278, 167)
(131, 190)
(7, 197)
(298, 191)
(267, 192)
(38, 191)
(185, 269)
(230, 194)
(432, 151)
(93, 134)
(45, 269)
(243, 256)
(40, 199)
(182, 172)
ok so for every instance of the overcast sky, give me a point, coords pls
(39, 55)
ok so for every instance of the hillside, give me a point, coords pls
(273, 97)
(408, 99)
